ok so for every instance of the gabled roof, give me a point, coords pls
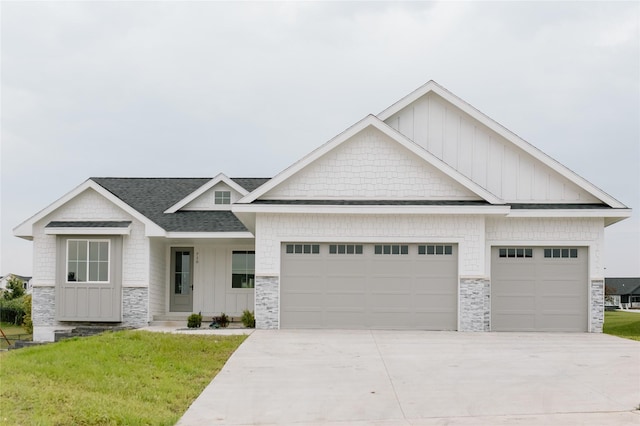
(372, 121)
(204, 188)
(146, 199)
(432, 86)
(153, 196)
(25, 229)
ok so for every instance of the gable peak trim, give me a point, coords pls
(221, 177)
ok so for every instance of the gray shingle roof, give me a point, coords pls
(152, 196)
(623, 286)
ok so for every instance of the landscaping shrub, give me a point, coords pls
(194, 320)
(248, 319)
(13, 311)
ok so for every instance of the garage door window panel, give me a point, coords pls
(561, 253)
(391, 249)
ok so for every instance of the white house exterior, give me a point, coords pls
(429, 215)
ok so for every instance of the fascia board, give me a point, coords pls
(221, 177)
(307, 209)
(604, 213)
(213, 235)
(536, 153)
(25, 229)
(308, 159)
(88, 231)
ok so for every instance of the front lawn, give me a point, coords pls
(122, 378)
(622, 324)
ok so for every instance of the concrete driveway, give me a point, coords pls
(423, 378)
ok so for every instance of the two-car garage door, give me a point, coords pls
(361, 286)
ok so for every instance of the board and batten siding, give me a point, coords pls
(212, 293)
(157, 276)
(481, 154)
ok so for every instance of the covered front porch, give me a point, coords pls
(207, 275)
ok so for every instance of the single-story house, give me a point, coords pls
(429, 215)
(622, 292)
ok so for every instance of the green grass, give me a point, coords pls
(13, 333)
(622, 324)
(122, 378)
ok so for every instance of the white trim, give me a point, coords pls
(88, 260)
(372, 121)
(221, 177)
(368, 209)
(25, 229)
(608, 213)
(88, 231)
(207, 235)
(434, 87)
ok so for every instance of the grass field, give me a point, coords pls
(622, 324)
(122, 378)
(13, 333)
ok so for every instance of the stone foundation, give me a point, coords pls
(267, 303)
(597, 306)
(475, 304)
(135, 306)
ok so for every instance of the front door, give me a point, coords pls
(181, 299)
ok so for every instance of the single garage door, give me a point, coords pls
(539, 289)
(362, 286)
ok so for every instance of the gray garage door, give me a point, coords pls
(361, 286)
(539, 289)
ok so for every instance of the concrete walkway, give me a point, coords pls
(424, 378)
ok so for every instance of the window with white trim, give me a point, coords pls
(515, 253)
(345, 248)
(436, 249)
(391, 249)
(222, 197)
(88, 261)
(560, 252)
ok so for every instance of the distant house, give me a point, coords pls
(623, 292)
(428, 216)
(26, 282)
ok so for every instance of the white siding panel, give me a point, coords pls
(480, 149)
(509, 175)
(436, 126)
(405, 124)
(525, 178)
(465, 148)
(451, 139)
(540, 183)
(495, 161)
(157, 276)
(420, 132)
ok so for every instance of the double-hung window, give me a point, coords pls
(88, 261)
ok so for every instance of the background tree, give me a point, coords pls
(15, 288)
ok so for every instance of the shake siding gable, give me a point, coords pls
(370, 165)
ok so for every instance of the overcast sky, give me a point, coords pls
(198, 88)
